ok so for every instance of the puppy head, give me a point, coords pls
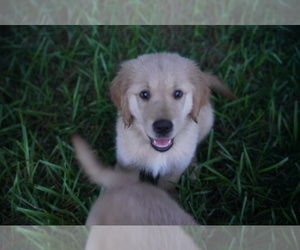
(131, 69)
(159, 93)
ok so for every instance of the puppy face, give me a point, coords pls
(159, 94)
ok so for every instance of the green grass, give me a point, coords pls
(43, 237)
(153, 12)
(54, 82)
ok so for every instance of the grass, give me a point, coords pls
(150, 12)
(54, 83)
(43, 237)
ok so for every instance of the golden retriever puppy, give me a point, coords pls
(164, 112)
(127, 200)
(139, 238)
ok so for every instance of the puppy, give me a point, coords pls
(139, 238)
(164, 112)
(126, 200)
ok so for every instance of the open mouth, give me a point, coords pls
(161, 145)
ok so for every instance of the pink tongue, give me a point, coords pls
(162, 142)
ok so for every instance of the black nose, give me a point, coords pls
(162, 127)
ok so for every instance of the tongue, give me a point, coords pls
(162, 143)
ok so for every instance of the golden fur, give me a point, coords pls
(139, 238)
(164, 112)
(127, 200)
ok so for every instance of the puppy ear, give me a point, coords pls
(201, 94)
(118, 93)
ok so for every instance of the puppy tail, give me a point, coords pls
(98, 173)
(217, 85)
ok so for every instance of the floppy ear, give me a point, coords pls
(201, 94)
(118, 92)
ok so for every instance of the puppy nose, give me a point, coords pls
(162, 127)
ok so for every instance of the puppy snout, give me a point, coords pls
(162, 127)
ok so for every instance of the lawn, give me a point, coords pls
(54, 83)
(153, 12)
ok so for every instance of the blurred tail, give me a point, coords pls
(218, 86)
(94, 168)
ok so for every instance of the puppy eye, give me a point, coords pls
(145, 95)
(177, 94)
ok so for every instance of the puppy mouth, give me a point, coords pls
(161, 145)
